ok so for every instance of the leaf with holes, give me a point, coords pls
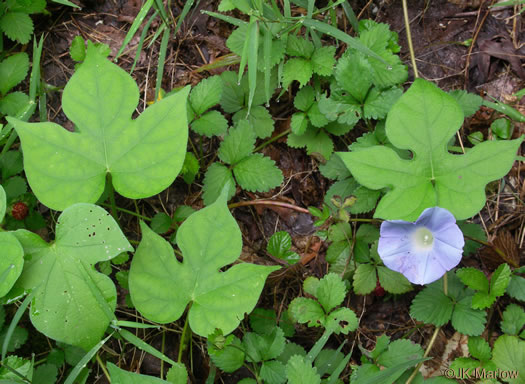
(423, 120)
(73, 302)
(162, 287)
(143, 156)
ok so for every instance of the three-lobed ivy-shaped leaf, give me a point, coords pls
(73, 302)
(162, 287)
(423, 120)
(143, 156)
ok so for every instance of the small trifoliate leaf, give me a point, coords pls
(366, 200)
(319, 120)
(273, 372)
(331, 291)
(392, 281)
(177, 374)
(237, 144)
(342, 320)
(212, 123)
(206, 94)
(509, 354)
(334, 169)
(305, 310)
(299, 123)
(230, 357)
(378, 103)
(120, 376)
(469, 102)
(13, 70)
(13, 102)
(217, 176)
(297, 69)
(479, 348)
(482, 300)
(516, 288)
(352, 74)
(257, 173)
(264, 347)
(466, 320)
(365, 279)
(298, 46)
(259, 118)
(500, 280)
(219, 299)
(77, 49)
(432, 306)
(18, 26)
(262, 320)
(315, 141)
(473, 278)
(513, 319)
(323, 60)
(304, 98)
(300, 371)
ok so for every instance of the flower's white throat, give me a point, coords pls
(422, 238)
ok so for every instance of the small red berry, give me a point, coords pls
(19, 210)
(379, 291)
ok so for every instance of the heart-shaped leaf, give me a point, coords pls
(143, 156)
(162, 287)
(423, 120)
(73, 302)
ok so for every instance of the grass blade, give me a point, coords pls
(66, 2)
(141, 41)
(16, 318)
(162, 58)
(319, 345)
(140, 344)
(219, 62)
(34, 80)
(252, 61)
(350, 15)
(183, 14)
(267, 49)
(135, 26)
(132, 324)
(228, 19)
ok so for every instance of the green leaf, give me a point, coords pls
(210, 124)
(291, 349)
(216, 178)
(299, 123)
(341, 107)
(304, 98)
(273, 372)
(77, 50)
(264, 347)
(398, 352)
(119, 376)
(378, 103)
(365, 279)
(392, 281)
(190, 168)
(479, 348)
(206, 94)
(279, 244)
(45, 374)
(342, 320)
(238, 144)
(298, 46)
(14, 187)
(502, 128)
(13, 70)
(27, 6)
(473, 278)
(334, 169)
(300, 371)
(467, 320)
(432, 306)
(469, 102)
(11, 164)
(315, 141)
(18, 26)
(500, 280)
(305, 310)
(482, 300)
(143, 156)
(259, 118)
(209, 240)
(475, 231)
(257, 173)
(366, 200)
(513, 319)
(516, 288)
(297, 69)
(2, 203)
(73, 302)
(161, 223)
(423, 120)
(367, 232)
(13, 103)
(352, 73)
(11, 262)
(331, 291)
(509, 354)
(177, 374)
(17, 339)
(263, 320)
(323, 60)
(327, 361)
(230, 357)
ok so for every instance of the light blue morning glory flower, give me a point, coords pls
(422, 251)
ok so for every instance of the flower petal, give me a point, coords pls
(436, 219)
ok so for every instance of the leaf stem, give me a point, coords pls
(409, 39)
(183, 336)
(268, 202)
(103, 367)
(272, 139)
(128, 212)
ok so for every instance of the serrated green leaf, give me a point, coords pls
(310, 285)
(513, 319)
(300, 371)
(482, 300)
(217, 176)
(331, 291)
(342, 320)
(304, 98)
(212, 123)
(27, 6)
(500, 280)
(143, 156)
(297, 69)
(298, 46)
(473, 278)
(161, 223)
(13, 70)
(263, 320)
(229, 358)
(279, 244)
(334, 169)
(468, 102)
(392, 281)
(516, 288)
(378, 103)
(352, 74)
(259, 118)
(323, 60)
(291, 349)
(305, 310)
(365, 279)
(509, 354)
(257, 173)
(238, 144)
(368, 233)
(177, 374)
(466, 320)
(120, 376)
(190, 168)
(398, 352)
(423, 120)
(341, 107)
(206, 94)
(219, 299)
(14, 187)
(432, 306)
(479, 348)
(122, 279)
(273, 372)
(315, 141)
(18, 26)
(299, 123)
(319, 120)
(366, 200)
(11, 164)
(13, 103)
(264, 347)
(77, 49)
(72, 301)
(45, 374)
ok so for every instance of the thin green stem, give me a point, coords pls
(183, 337)
(162, 350)
(272, 139)
(124, 210)
(409, 39)
(103, 367)
(113, 204)
(268, 202)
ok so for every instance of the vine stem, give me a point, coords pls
(271, 140)
(103, 367)
(409, 39)
(183, 336)
(434, 336)
(268, 202)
